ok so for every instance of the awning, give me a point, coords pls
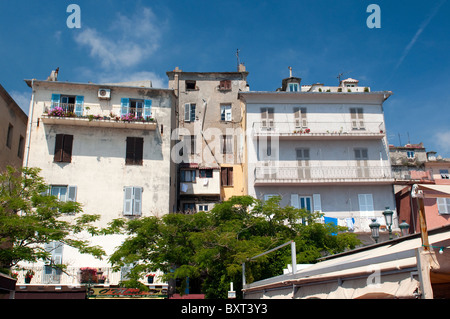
(433, 190)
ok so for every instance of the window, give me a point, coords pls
(225, 85)
(63, 148)
(293, 87)
(206, 173)
(302, 154)
(21, 146)
(443, 205)
(69, 103)
(269, 196)
(64, 193)
(52, 275)
(203, 208)
(132, 205)
(9, 136)
(410, 154)
(134, 151)
(365, 204)
(188, 175)
(361, 153)
(226, 174)
(135, 107)
(227, 144)
(189, 112)
(267, 117)
(189, 207)
(444, 173)
(190, 85)
(357, 118)
(300, 117)
(190, 143)
(225, 113)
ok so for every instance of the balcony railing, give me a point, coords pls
(89, 115)
(312, 174)
(72, 276)
(312, 129)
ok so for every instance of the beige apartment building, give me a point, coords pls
(322, 148)
(106, 146)
(210, 149)
(13, 124)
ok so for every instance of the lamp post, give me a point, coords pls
(404, 226)
(388, 214)
(375, 229)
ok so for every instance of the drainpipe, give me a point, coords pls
(30, 123)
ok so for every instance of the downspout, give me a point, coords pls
(30, 123)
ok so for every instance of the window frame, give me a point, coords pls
(189, 112)
(227, 144)
(9, 136)
(134, 151)
(443, 202)
(134, 200)
(63, 148)
(226, 176)
(205, 173)
(226, 113)
(444, 173)
(190, 177)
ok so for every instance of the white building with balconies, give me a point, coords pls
(321, 148)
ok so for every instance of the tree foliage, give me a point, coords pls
(211, 246)
(30, 218)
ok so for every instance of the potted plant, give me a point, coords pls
(28, 275)
(88, 275)
(101, 279)
(15, 275)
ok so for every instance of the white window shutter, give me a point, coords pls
(187, 112)
(137, 209)
(294, 201)
(317, 204)
(72, 193)
(128, 201)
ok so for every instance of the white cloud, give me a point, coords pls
(157, 81)
(22, 99)
(443, 141)
(129, 42)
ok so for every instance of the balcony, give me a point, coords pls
(313, 130)
(72, 276)
(65, 115)
(310, 175)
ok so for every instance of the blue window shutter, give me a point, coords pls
(128, 201)
(79, 101)
(55, 101)
(147, 108)
(137, 207)
(125, 105)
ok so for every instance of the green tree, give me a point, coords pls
(211, 246)
(30, 218)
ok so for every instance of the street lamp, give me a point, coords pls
(388, 217)
(375, 229)
(404, 226)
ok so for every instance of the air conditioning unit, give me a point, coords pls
(104, 94)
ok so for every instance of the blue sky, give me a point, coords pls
(130, 40)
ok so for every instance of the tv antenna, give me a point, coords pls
(237, 58)
(341, 74)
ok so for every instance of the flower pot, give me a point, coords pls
(27, 280)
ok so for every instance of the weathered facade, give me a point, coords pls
(321, 148)
(106, 147)
(209, 150)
